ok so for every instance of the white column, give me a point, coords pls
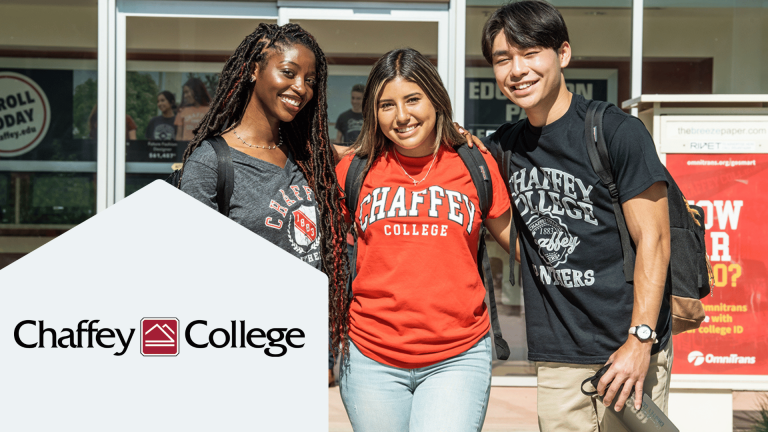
(105, 138)
(637, 52)
(120, 111)
(457, 55)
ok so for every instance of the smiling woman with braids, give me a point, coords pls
(270, 107)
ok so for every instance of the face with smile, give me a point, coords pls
(286, 82)
(532, 77)
(189, 97)
(162, 104)
(407, 117)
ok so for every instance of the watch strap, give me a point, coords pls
(633, 331)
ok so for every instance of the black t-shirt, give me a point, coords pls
(161, 128)
(349, 124)
(578, 306)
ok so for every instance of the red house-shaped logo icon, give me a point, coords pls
(160, 336)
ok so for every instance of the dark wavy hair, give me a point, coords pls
(306, 137)
(199, 91)
(411, 65)
(170, 98)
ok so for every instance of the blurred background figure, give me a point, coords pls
(162, 127)
(195, 101)
(93, 127)
(350, 122)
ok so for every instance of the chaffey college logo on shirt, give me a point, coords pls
(552, 237)
(303, 236)
(159, 336)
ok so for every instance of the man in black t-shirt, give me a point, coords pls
(350, 122)
(580, 311)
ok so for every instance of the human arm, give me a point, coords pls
(499, 229)
(647, 218)
(179, 123)
(339, 137)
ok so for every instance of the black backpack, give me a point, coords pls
(225, 183)
(481, 177)
(689, 276)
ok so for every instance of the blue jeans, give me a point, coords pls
(451, 395)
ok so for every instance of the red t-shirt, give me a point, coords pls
(418, 297)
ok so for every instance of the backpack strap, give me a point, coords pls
(225, 183)
(481, 177)
(352, 184)
(508, 134)
(601, 163)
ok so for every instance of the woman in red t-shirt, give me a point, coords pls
(420, 354)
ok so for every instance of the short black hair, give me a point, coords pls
(527, 23)
(359, 88)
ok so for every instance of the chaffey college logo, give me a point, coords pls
(160, 336)
(303, 236)
(552, 237)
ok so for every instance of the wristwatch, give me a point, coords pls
(643, 332)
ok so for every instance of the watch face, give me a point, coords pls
(644, 332)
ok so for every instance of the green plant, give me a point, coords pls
(761, 419)
(141, 100)
(83, 102)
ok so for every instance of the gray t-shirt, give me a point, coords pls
(275, 203)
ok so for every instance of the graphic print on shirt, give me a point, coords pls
(164, 132)
(299, 214)
(549, 200)
(434, 202)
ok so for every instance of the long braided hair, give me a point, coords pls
(306, 137)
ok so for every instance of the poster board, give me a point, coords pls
(732, 343)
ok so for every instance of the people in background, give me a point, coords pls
(162, 127)
(93, 127)
(350, 122)
(195, 101)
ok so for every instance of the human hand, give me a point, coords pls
(629, 366)
(471, 139)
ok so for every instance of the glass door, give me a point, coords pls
(48, 92)
(173, 55)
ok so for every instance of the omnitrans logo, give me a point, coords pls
(698, 358)
(159, 337)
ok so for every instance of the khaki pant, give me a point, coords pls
(562, 406)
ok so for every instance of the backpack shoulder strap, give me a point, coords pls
(352, 184)
(601, 163)
(481, 177)
(225, 183)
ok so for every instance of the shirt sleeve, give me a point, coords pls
(339, 123)
(500, 195)
(179, 120)
(634, 161)
(341, 175)
(199, 178)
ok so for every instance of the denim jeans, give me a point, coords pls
(451, 395)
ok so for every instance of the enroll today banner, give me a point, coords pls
(733, 191)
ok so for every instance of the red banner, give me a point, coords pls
(733, 191)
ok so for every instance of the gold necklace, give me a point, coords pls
(415, 182)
